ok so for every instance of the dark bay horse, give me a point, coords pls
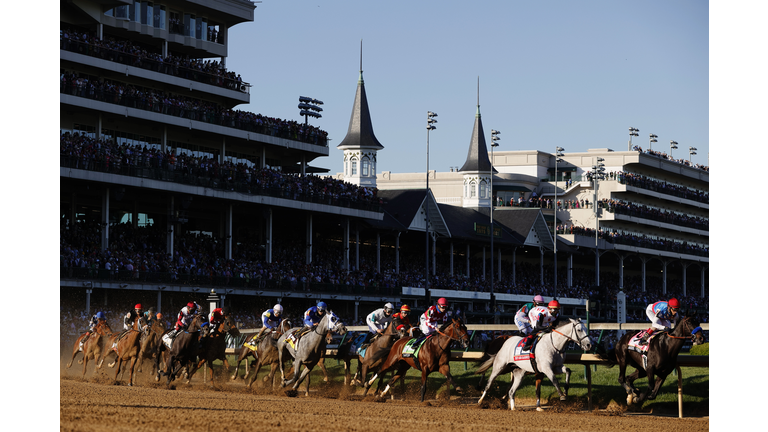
(214, 345)
(376, 353)
(93, 346)
(183, 351)
(265, 353)
(434, 355)
(126, 349)
(150, 341)
(662, 358)
(308, 349)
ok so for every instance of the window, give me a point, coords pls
(146, 13)
(483, 190)
(472, 190)
(158, 17)
(354, 167)
(200, 25)
(189, 25)
(366, 166)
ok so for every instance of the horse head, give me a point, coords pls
(230, 326)
(689, 327)
(396, 328)
(103, 328)
(456, 330)
(196, 324)
(335, 324)
(580, 334)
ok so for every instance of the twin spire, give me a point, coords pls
(360, 133)
(477, 158)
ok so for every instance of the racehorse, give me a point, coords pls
(376, 353)
(491, 349)
(125, 349)
(434, 355)
(321, 362)
(214, 345)
(661, 358)
(92, 347)
(549, 359)
(308, 349)
(182, 352)
(265, 353)
(150, 341)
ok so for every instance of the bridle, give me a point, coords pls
(453, 324)
(573, 330)
(691, 336)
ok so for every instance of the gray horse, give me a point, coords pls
(549, 359)
(308, 350)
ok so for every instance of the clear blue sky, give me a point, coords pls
(573, 74)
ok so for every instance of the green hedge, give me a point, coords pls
(702, 349)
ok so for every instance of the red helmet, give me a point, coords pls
(673, 303)
(138, 306)
(405, 308)
(191, 305)
(554, 304)
(442, 301)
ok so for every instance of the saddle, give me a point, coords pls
(522, 354)
(635, 345)
(413, 346)
(356, 345)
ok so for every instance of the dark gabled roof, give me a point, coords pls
(400, 207)
(360, 132)
(477, 158)
(521, 221)
(461, 223)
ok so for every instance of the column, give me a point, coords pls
(397, 252)
(346, 245)
(228, 232)
(643, 261)
(105, 219)
(467, 259)
(269, 236)
(378, 252)
(357, 247)
(434, 253)
(664, 276)
(569, 270)
(451, 258)
(159, 299)
(685, 271)
(169, 229)
(483, 262)
(621, 272)
(309, 238)
(703, 272)
(541, 266)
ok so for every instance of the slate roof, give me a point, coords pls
(360, 132)
(477, 157)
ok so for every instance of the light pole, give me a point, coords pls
(494, 144)
(309, 108)
(632, 132)
(430, 126)
(672, 146)
(598, 173)
(691, 152)
(558, 156)
(652, 140)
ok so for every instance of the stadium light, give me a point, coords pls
(632, 132)
(672, 146)
(652, 139)
(691, 152)
(558, 159)
(494, 143)
(308, 107)
(598, 173)
(430, 127)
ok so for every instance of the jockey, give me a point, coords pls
(270, 319)
(378, 321)
(541, 318)
(521, 317)
(217, 317)
(185, 315)
(403, 317)
(429, 319)
(662, 314)
(312, 318)
(131, 316)
(99, 316)
(149, 316)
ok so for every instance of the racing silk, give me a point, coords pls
(129, 318)
(269, 319)
(92, 324)
(185, 317)
(660, 315)
(430, 318)
(540, 317)
(521, 318)
(523, 312)
(377, 320)
(406, 322)
(311, 317)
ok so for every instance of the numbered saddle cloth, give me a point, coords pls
(355, 346)
(412, 347)
(520, 353)
(634, 342)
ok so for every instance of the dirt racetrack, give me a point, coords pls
(97, 403)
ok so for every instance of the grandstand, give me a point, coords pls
(168, 191)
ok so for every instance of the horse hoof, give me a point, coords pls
(562, 398)
(629, 399)
(539, 409)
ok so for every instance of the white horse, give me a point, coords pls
(309, 349)
(549, 359)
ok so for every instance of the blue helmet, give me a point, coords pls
(101, 315)
(322, 306)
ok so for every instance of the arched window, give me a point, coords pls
(366, 166)
(472, 190)
(354, 167)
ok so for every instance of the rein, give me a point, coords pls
(573, 330)
(449, 336)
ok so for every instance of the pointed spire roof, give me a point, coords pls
(477, 158)
(360, 132)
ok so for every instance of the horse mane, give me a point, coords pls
(448, 323)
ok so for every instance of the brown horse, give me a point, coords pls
(434, 355)
(246, 352)
(150, 340)
(183, 351)
(93, 346)
(125, 349)
(266, 354)
(376, 353)
(662, 358)
(214, 345)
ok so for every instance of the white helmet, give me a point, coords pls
(278, 308)
(389, 308)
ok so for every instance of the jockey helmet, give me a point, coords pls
(159, 316)
(673, 303)
(538, 300)
(190, 305)
(404, 310)
(321, 306)
(101, 315)
(225, 311)
(138, 306)
(389, 308)
(278, 309)
(554, 304)
(442, 302)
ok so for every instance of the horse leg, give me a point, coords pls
(495, 371)
(632, 391)
(401, 370)
(446, 370)
(567, 380)
(539, 379)
(659, 381)
(119, 362)
(424, 375)
(74, 353)
(130, 375)
(321, 363)
(517, 379)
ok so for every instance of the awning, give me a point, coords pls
(510, 188)
(562, 169)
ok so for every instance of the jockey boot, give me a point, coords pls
(646, 337)
(528, 342)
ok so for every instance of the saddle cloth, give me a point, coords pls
(521, 354)
(355, 346)
(251, 344)
(292, 341)
(634, 342)
(167, 340)
(412, 347)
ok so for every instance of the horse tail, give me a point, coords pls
(486, 365)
